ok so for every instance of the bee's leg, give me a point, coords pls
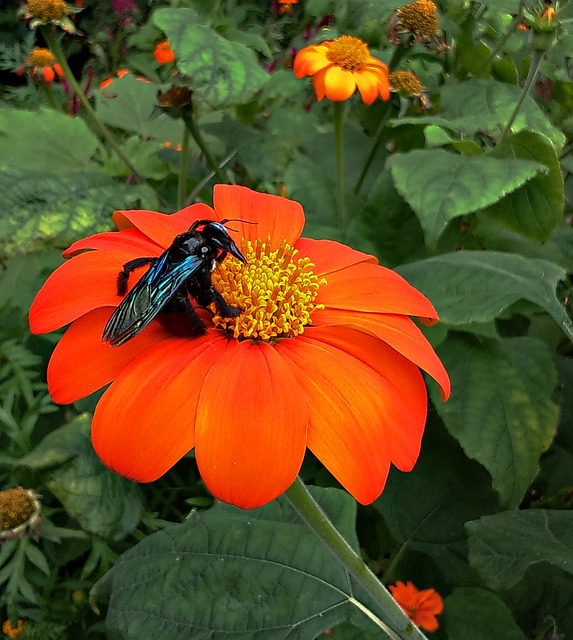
(181, 304)
(205, 293)
(128, 267)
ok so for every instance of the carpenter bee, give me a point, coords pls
(182, 270)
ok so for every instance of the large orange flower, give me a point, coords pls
(323, 356)
(338, 67)
(421, 605)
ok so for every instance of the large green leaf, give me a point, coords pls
(477, 286)
(102, 502)
(130, 104)
(440, 186)
(536, 208)
(45, 211)
(504, 545)
(427, 511)
(475, 614)
(45, 140)
(221, 73)
(225, 573)
(501, 410)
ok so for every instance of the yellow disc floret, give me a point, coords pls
(46, 10)
(16, 507)
(41, 57)
(405, 83)
(348, 52)
(420, 18)
(275, 290)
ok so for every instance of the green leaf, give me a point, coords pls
(536, 208)
(102, 502)
(45, 140)
(144, 156)
(486, 105)
(131, 104)
(427, 511)
(441, 186)
(475, 614)
(226, 573)
(477, 286)
(221, 73)
(504, 545)
(46, 211)
(500, 409)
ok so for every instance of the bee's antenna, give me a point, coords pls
(225, 220)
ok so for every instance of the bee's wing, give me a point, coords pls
(147, 298)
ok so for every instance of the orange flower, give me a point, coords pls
(338, 67)
(43, 64)
(286, 6)
(421, 606)
(10, 631)
(322, 356)
(163, 52)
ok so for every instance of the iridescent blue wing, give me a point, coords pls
(154, 290)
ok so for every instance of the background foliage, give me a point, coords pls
(473, 212)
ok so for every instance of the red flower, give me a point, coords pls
(323, 355)
(163, 53)
(421, 606)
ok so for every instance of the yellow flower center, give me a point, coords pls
(16, 507)
(47, 10)
(348, 52)
(41, 57)
(275, 290)
(419, 17)
(405, 82)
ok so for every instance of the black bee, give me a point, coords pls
(183, 269)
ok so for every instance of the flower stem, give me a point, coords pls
(531, 75)
(401, 627)
(506, 36)
(182, 184)
(374, 146)
(54, 46)
(192, 127)
(339, 109)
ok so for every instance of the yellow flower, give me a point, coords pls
(419, 21)
(41, 12)
(339, 67)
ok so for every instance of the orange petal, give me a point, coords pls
(310, 60)
(85, 282)
(399, 332)
(368, 84)
(144, 423)
(328, 255)
(48, 74)
(404, 397)
(160, 227)
(129, 240)
(251, 426)
(364, 419)
(82, 363)
(339, 84)
(274, 216)
(369, 287)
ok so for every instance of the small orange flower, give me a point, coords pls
(120, 73)
(11, 631)
(253, 392)
(338, 67)
(421, 606)
(286, 6)
(43, 64)
(163, 52)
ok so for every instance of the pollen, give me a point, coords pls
(419, 17)
(275, 291)
(47, 10)
(41, 57)
(348, 52)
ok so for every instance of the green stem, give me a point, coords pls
(339, 109)
(193, 129)
(54, 45)
(401, 627)
(506, 36)
(182, 185)
(47, 89)
(531, 75)
(388, 575)
(374, 146)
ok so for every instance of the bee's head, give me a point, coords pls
(217, 235)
